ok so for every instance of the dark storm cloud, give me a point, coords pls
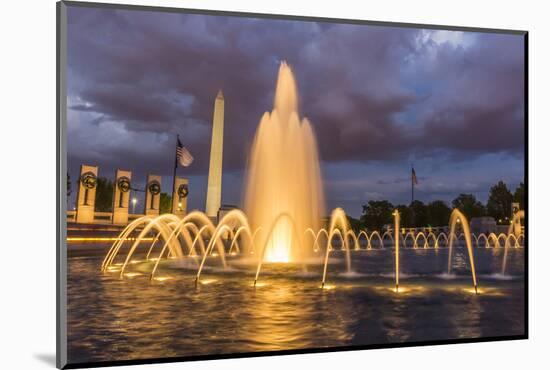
(479, 107)
(372, 93)
(160, 73)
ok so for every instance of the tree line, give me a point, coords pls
(377, 213)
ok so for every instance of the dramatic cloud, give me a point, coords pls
(378, 97)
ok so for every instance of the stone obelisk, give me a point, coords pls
(214, 193)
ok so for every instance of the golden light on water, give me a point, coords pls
(132, 274)
(486, 291)
(163, 278)
(208, 281)
(400, 290)
(408, 289)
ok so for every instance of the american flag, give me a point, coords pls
(413, 177)
(184, 157)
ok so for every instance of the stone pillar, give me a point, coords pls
(179, 196)
(85, 198)
(152, 195)
(214, 194)
(121, 197)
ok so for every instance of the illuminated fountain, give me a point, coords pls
(180, 237)
(196, 238)
(284, 195)
(284, 205)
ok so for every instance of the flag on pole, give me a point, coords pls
(184, 157)
(413, 176)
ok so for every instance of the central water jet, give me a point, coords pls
(284, 177)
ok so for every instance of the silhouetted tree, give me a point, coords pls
(355, 224)
(104, 195)
(165, 203)
(406, 215)
(419, 213)
(438, 213)
(469, 205)
(69, 190)
(376, 214)
(499, 204)
(519, 195)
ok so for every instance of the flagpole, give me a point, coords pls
(412, 196)
(412, 185)
(174, 175)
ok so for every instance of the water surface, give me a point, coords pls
(113, 319)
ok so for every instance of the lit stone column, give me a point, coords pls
(85, 199)
(179, 196)
(214, 193)
(121, 197)
(152, 195)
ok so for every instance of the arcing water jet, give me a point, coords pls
(513, 230)
(338, 225)
(458, 217)
(396, 222)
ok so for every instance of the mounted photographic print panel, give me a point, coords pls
(236, 185)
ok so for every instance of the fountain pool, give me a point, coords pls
(135, 318)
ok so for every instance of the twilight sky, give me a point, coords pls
(379, 99)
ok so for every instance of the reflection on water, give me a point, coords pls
(112, 319)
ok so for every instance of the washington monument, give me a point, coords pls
(214, 194)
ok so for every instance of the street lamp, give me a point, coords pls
(134, 201)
